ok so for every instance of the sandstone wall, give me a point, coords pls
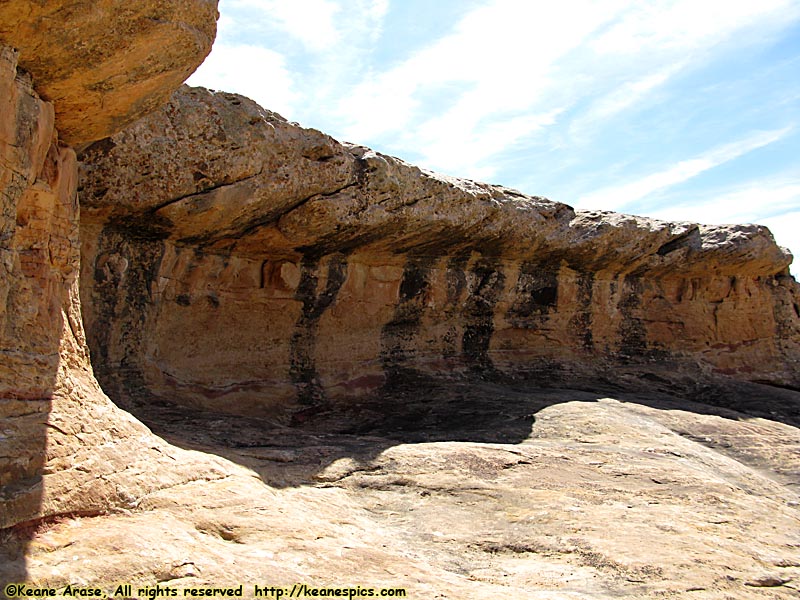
(231, 259)
(237, 261)
(64, 447)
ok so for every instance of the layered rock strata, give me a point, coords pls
(64, 447)
(236, 261)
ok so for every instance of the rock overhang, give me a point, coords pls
(345, 267)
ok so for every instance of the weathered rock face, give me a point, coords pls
(106, 63)
(39, 246)
(493, 492)
(64, 447)
(236, 261)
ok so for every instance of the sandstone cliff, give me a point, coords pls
(64, 448)
(239, 262)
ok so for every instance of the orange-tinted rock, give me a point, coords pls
(103, 64)
(88, 69)
(64, 447)
(478, 491)
(237, 261)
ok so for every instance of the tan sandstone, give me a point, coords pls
(105, 63)
(321, 272)
(64, 447)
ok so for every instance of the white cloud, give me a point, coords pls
(785, 229)
(295, 57)
(309, 21)
(753, 201)
(499, 55)
(685, 25)
(490, 74)
(449, 146)
(521, 62)
(249, 70)
(618, 197)
(620, 99)
(321, 26)
(372, 13)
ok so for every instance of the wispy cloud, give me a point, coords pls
(621, 196)
(622, 98)
(453, 147)
(309, 21)
(498, 59)
(686, 25)
(250, 70)
(291, 56)
(756, 200)
(514, 61)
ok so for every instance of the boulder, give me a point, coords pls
(103, 64)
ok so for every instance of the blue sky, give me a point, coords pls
(682, 110)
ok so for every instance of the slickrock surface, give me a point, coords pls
(477, 491)
(105, 63)
(238, 262)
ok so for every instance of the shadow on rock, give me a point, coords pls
(418, 409)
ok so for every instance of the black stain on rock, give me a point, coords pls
(536, 295)
(147, 227)
(632, 333)
(486, 283)
(302, 367)
(580, 325)
(345, 240)
(456, 285)
(398, 335)
(125, 268)
(456, 279)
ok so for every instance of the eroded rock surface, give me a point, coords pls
(236, 261)
(483, 491)
(105, 63)
(64, 447)
(401, 322)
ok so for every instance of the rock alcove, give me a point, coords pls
(241, 263)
